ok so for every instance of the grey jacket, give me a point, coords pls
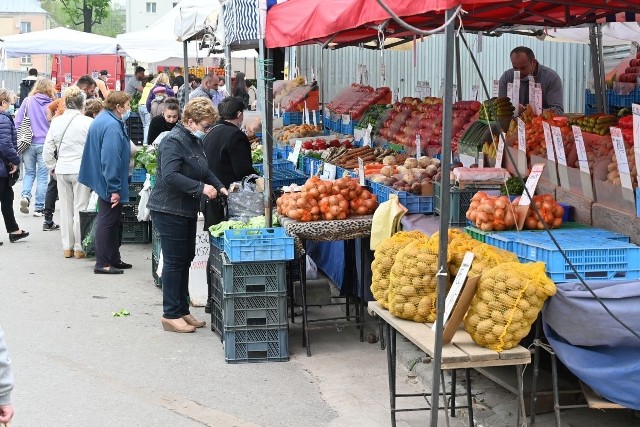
(182, 172)
(6, 377)
(199, 93)
(552, 95)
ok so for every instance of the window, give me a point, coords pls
(25, 60)
(151, 7)
(25, 27)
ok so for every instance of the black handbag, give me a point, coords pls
(13, 177)
(215, 211)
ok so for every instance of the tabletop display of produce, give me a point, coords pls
(356, 99)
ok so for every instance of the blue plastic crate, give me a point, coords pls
(414, 203)
(297, 118)
(381, 191)
(336, 125)
(275, 165)
(281, 152)
(499, 241)
(260, 244)
(340, 172)
(245, 278)
(281, 178)
(347, 129)
(250, 311)
(476, 233)
(138, 175)
(256, 345)
(617, 100)
(308, 161)
(589, 97)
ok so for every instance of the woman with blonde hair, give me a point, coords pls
(9, 164)
(62, 154)
(35, 108)
(161, 88)
(183, 175)
(105, 169)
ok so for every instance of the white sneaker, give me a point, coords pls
(24, 205)
(38, 213)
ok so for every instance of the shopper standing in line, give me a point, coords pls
(145, 116)
(27, 84)
(182, 177)
(35, 107)
(6, 382)
(166, 121)
(67, 136)
(134, 85)
(9, 163)
(105, 169)
(240, 90)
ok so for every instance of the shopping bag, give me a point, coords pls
(244, 199)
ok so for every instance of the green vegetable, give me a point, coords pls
(120, 313)
(256, 155)
(513, 187)
(217, 230)
(146, 158)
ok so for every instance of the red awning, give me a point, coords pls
(298, 22)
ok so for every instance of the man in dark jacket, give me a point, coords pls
(27, 84)
(227, 148)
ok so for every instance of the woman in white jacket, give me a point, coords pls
(67, 136)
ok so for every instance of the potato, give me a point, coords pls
(399, 299)
(398, 308)
(409, 310)
(523, 305)
(485, 326)
(424, 306)
(472, 320)
(506, 300)
(408, 291)
(497, 330)
(516, 315)
(497, 317)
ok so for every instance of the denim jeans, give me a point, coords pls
(145, 117)
(35, 170)
(178, 243)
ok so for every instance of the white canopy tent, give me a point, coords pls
(60, 41)
(613, 34)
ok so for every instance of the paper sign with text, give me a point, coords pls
(361, 171)
(328, 172)
(441, 92)
(474, 92)
(522, 136)
(456, 286)
(293, 156)
(510, 94)
(500, 150)
(583, 161)
(558, 144)
(495, 88)
(346, 119)
(621, 157)
(366, 137)
(516, 90)
(548, 140)
(531, 184)
(538, 99)
(418, 146)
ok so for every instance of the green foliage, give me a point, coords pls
(513, 187)
(84, 15)
(146, 158)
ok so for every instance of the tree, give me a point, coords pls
(86, 13)
(111, 25)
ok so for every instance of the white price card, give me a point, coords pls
(427, 90)
(583, 161)
(516, 91)
(361, 171)
(67, 77)
(346, 119)
(305, 112)
(455, 94)
(522, 136)
(495, 88)
(328, 172)
(441, 92)
(418, 146)
(419, 89)
(456, 287)
(278, 110)
(327, 113)
(314, 117)
(474, 92)
(532, 91)
(118, 86)
(358, 134)
(510, 94)
(531, 184)
(548, 140)
(635, 108)
(480, 161)
(621, 157)
(366, 139)
(500, 150)
(95, 75)
(293, 156)
(312, 168)
(558, 144)
(537, 93)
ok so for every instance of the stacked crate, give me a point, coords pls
(249, 293)
(135, 128)
(134, 231)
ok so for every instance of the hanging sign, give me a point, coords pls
(583, 161)
(558, 144)
(305, 113)
(522, 137)
(314, 116)
(532, 90)
(548, 140)
(621, 157)
(455, 94)
(516, 91)
(500, 150)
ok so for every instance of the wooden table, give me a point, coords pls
(461, 353)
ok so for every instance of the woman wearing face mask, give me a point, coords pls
(227, 148)
(165, 121)
(9, 163)
(105, 169)
(182, 177)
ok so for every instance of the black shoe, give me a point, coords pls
(50, 226)
(15, 237)
(107, 270)
(122, 265)
(207, 308)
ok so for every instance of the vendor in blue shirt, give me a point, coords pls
(524, 60)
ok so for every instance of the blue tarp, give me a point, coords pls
(596, 348)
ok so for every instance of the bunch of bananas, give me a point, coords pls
(596, 123)
(502, 108)
(490, 149)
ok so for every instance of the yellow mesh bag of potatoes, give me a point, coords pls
(452, 234)
(507, 302)
(413, 283)
(458, 246)
(383, 261)
(486, 257)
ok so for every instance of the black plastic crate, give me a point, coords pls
(135, 232)
(216, 286)
(256, 345)
(215, 258)
(251, 311)
(217, 320)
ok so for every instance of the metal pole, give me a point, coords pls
(444, 210)
(227, 67)
(320, 80)
(597, 81)
(603, 83)
(458, 70)
(185, 72)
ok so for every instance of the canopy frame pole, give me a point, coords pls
(595, 68)
(185, 72)
(227, 67)
(320, 79)
(458, 70)
(442, 276)
(605, 107)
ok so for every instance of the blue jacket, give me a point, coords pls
(105, 160)
(182, 172)
(8, 144)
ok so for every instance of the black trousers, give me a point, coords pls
(108, 234)
(6, 205)
(50, 199)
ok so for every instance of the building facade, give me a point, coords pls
(24, 16)
(142, 13)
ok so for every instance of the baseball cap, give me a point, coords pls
(105, 73)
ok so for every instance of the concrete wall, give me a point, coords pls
(137, 16)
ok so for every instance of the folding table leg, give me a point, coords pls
(362, 293)
(391, 369)
(556, 394)
(381, 333)
(444, 400)
(536, 372)
(290, 290)
(303, 291)
(453, 393)
(522, 415)
(467, 379)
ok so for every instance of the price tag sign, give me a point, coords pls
(327, 113)
(293, 156)
(118, 87)
(495, 88)
(366, 139)
(361, 170)
(328, 172)
(500, 150)
(278, 110)
(419, 89)
(531, 184)
(456, 287)
(583, 161)
(382, 72)
(621, 157)
(418, 146)
(510, 93)
(635, 108)
(474, 92)
(305, 112)
(312, 168)
(516, 90)
(480, 161)
(346, 119)
(532, 89)
(537, 93)
(358, 134)
(455, 94)
(522, 137)
(558, 144)
(67, 77)
(548, 139)
(95, 75)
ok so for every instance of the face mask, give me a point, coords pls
(199, 134)
(125, 116)
(11, 109)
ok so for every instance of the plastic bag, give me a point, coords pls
(144, 214)
(312, 269)
(244, 201)
(89, 239)
(92, 204)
